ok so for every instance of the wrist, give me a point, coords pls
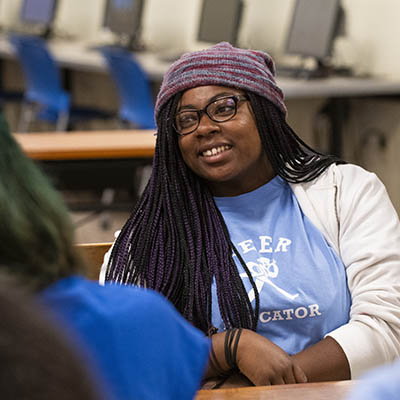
(231, 343)
(245, 338)
(223, 352)
(219, 367)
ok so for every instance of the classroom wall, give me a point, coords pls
(264, 24)
(9, 13)
(170, 25)
(79, 19)
(373, 140)
(372, 32)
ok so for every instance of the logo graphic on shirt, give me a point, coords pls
(263, 272)
(265, 268)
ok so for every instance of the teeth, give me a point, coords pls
(215, 150)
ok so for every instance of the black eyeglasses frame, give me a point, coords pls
(200, 112)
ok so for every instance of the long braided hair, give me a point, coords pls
(176, 240)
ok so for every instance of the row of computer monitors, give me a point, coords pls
(219, 21)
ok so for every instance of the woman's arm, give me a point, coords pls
(264, 363)
(260, 360)
(369, 246)
(369, 238)
(365, 232)
(324, 361)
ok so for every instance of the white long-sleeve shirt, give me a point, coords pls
(352, 209)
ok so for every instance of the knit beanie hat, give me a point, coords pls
(222, 65)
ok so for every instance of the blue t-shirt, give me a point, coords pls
(141, 346)
(301, 281)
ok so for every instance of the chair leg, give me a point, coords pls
(28, 111)
(62, 121)
(107, 198)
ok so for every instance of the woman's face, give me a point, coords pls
(227, 155)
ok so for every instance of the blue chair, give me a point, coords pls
(44, 96)
(136, 103)
(136, 106)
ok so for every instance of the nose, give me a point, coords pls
(206, 126)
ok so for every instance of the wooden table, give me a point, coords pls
(305, 391)
(93, 254)
(91, 161)
(88, 145)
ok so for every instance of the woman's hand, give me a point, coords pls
(265, 363)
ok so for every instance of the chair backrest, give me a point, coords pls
(41, 73)
(93, 254)
(136, 103)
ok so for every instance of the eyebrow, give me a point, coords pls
(210, 100)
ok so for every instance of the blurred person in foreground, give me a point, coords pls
(382, 383)
(37, 361)
(139, 345)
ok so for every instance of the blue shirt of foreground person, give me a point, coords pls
(140, 344)
(382, 383)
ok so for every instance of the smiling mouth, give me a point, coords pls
(215, 150)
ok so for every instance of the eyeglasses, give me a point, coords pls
(220, 110)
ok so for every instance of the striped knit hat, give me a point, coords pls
(222, 65)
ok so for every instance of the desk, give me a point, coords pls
(78, 56)
(53, 146)
(338, 87)
(91, 160)
(304, 391)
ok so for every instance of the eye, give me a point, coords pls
(223, 107)
(186, 119)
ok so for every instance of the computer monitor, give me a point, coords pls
(313, 28)
(124, 17)
(38, 14)
(220, 21)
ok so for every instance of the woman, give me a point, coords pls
(289, 254)
(136, 343)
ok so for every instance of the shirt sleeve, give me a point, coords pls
(369, 237)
